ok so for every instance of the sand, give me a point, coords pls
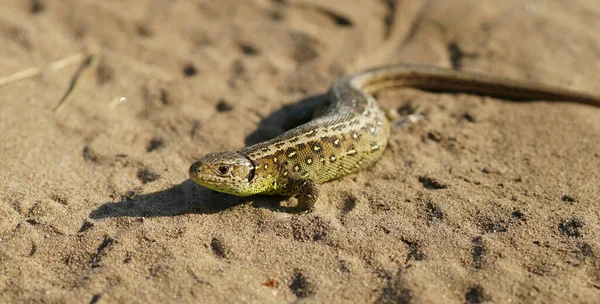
(486, 200)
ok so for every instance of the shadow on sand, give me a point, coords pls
(185, 198)
(286, 118)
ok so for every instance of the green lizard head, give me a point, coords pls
(227, 172)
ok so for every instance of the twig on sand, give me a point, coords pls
(90, 61)
(56, 65)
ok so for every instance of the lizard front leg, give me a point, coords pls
(307, 192)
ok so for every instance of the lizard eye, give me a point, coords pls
(223, 169)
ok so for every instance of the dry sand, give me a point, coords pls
(484, 201)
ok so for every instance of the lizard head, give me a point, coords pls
(227, 172)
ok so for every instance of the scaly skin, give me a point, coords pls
(349, 133)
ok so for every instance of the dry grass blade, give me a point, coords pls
(80, 76)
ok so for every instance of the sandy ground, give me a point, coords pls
(484, 201)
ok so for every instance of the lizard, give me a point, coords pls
(349, 132)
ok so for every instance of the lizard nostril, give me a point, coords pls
(194, 169)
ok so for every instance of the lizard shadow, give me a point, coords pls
(185, 198)
(284, 119)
